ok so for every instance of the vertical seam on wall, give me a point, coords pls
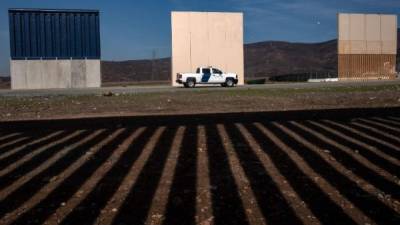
(208, 40)
(381, 48)
(190, 40)
(365, 35)
(350, 36)
(380, 34)
(226, 44)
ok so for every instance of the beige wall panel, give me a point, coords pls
(207, 39)
(34, 72)
(344, 47)
(373, 33)
(199, 40)
(389, 34)
(344, 26)
(234, 53)
(217, 33)
(357, 34)
(389, 47)
(181, 62)
(357, 27)
(374, 47)
(18, 70)
(373, 27)
(344, 44)
(368, 34)
(358, 47)
(389, 27)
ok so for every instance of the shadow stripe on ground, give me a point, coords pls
(187, 119)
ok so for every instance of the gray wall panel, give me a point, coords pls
(78, 73)
(93, 76)
(34, 74)
(18, 70)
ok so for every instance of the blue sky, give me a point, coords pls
(133, 29)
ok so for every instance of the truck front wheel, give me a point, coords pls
(229, 83)
(190, 83)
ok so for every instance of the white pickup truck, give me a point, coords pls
(207, 75)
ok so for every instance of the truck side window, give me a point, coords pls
(206, 71)
(198, 70)
(215, 71)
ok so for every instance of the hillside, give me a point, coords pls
(136, 70)
(271, 58)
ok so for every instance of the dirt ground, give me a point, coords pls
(198, 101)
(304, 167)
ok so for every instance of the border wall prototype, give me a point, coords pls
(202, 39)
(367, 46)
(54, 48)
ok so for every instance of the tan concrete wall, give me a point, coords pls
(367, 46)
(207, 39)
(367, 34)
(46, 74)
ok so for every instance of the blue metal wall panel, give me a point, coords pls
(54, 34)
(12, 33)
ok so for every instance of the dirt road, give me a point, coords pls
(300, 167)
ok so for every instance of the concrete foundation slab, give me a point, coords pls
(45, 74)
(78, 73)
(64, 73)
(50, 74)
(34, 74)
(93, 76)
(18, 69)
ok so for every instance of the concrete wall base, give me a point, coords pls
(47, 74)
